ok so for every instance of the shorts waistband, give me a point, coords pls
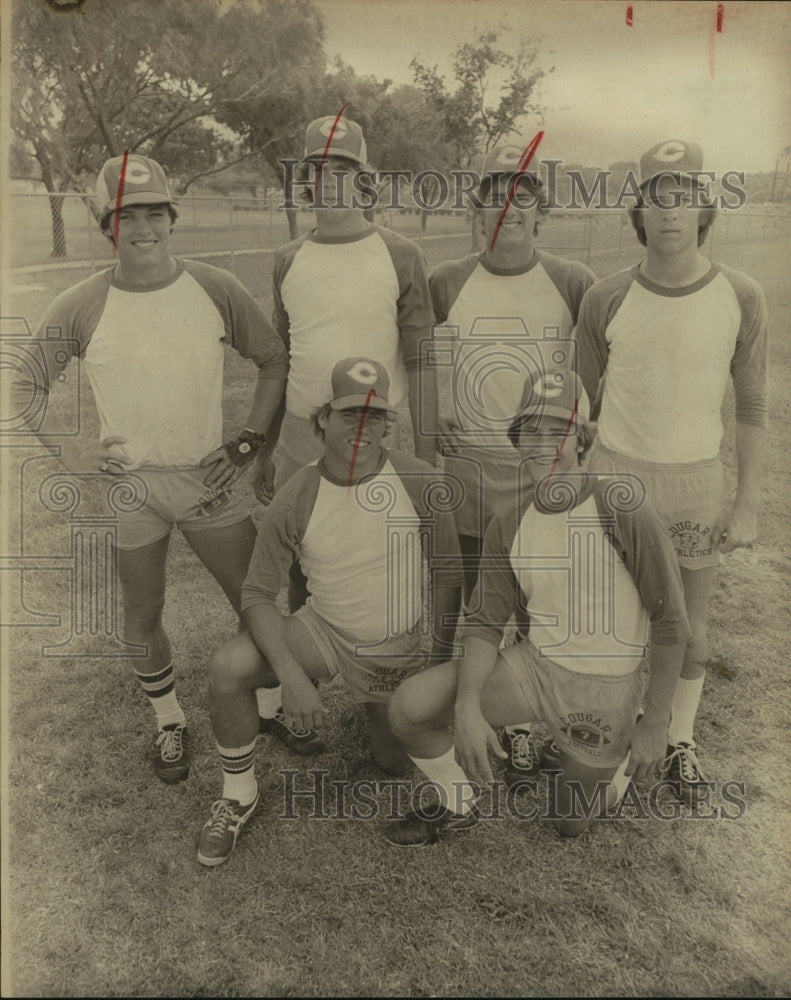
(671, 468)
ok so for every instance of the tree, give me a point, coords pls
(472, 123)
(154, 78)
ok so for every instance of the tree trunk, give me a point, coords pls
(58, 227)
(293, 231)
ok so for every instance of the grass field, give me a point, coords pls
(104, 896)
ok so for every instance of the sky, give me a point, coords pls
(615, 89)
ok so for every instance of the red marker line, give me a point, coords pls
(572, 418)
(119, 200)
(363, 415)
(716, 29)
(629, 17)
(326, 153)
(524, 162)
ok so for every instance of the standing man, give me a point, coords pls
(357, 519)
(658, 343)
(507, 312)
(597, 576)
(151, 332)
(347, 287)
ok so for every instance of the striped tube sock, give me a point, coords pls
(238, 773)
(159, 689)
(456, 791)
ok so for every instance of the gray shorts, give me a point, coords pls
(175, 497)
(591, 716)
(688, 497)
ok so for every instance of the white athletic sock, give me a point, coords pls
(269, 701)
(456, 791)
(683, 710)
(238, 773)
(160, 691)
(520, 727)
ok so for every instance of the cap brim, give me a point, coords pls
(535, 416)
(324, 153)
(347, 402)
(140, 198)
(676, 174)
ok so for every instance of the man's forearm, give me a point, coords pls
(267, 627)
(267, 402)
(750, 445)
(476, 664)
(423, 410)
(666, 663)
(447, 603)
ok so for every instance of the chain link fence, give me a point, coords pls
(240, 234)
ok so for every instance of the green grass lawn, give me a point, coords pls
(104, 895)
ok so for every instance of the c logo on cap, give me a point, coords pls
(137, 171)
(670, 152)
(363, 372)
(549, 386)
(336, 126)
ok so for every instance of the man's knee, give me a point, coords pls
(402, 710)
(235, 666)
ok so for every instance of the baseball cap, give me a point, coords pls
(347, 142)
(504, 161)
(672, 157)
(353, 379)
(550, 394)
(144, 183)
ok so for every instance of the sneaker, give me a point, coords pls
(172, 755)
(683, 769)
(416, 829)
(220, 833)
(524, 756)
(302, 741)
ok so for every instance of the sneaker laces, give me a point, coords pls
(524, 752)
(222, 815)
(170, 745)
(688, 764)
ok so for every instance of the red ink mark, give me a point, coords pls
(716, 28)
(524, 162)
(629, 17)
(572, 418)
(119, 202)
(326, 153)
(355, 449)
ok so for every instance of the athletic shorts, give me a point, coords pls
(689, 498)
(488, 477)
(373, 675)
(298, 446)
(591, 716)
(176, 497)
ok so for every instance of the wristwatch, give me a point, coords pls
(249, 441)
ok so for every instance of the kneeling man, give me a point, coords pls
(590, 561)
(357, 519)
